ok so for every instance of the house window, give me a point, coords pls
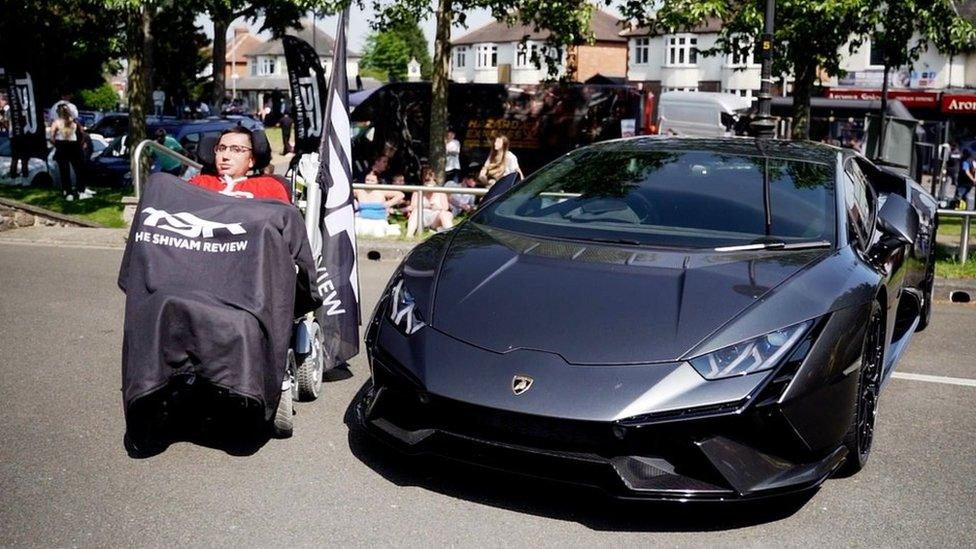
(875, 54)
(642, 51)
(682, 50)
(266, 66)
(460, 57)
(741, 92)
(526, 53)
(487, 56)
(740, 57)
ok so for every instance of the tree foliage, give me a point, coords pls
(66, 45)
(810, 35)
(389, 51)
(179, 51)
(102, 98)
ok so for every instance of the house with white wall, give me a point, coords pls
(496, 53)
(674, 62)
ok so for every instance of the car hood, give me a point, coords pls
(596, 304)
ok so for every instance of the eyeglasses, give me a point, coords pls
(234, 149)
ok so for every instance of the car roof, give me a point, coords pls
(808, 151)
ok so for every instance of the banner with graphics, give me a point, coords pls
(27, 139)
(306, 77)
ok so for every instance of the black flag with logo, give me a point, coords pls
(27, 138)
(338, 275)
(307, 81)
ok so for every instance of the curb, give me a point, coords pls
(35, 210)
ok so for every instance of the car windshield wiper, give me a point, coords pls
(775, 245)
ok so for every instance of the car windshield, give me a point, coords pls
(689, 199)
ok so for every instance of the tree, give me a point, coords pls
(389, 51)
(102, 98)
(809, 35)
(66, 45)
(179, 51)
(897, 23)
(278, 17)
(568, 21)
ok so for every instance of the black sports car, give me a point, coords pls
(663, 318)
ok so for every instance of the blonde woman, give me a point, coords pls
(500, 163)
(437, 209)
(68, 153)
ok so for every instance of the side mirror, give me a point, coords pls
(898, 219)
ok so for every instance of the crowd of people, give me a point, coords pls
(380, 211)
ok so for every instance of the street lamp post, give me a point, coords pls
(764, 126)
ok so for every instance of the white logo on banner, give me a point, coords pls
(187, 224)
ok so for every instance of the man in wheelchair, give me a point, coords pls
(213, 287)
(238, 152)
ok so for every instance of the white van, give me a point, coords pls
(705, 114)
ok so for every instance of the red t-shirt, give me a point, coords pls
(260, 186)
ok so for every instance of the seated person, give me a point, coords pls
(375, 208)
(233, 161)
(437, 209)
(462, 203)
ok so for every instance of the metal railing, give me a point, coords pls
(136, 162)
(967, 216)
(419, 188)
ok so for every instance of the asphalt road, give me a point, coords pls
(65, 479)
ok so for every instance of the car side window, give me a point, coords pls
(858, 203)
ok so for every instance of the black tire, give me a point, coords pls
(283, 424)
(860, 435)
(925, 315)
(311, 370)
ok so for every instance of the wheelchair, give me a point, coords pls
(306, 364)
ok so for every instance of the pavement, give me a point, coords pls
(65, 479)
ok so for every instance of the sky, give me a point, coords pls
(359, 26)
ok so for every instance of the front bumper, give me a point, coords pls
(743, 456)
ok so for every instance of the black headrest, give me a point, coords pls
(260, 150)
(206, 154)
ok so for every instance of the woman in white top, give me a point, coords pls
(500, 163)
(68, 153)
(437, 209)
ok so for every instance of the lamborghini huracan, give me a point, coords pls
(663, 318)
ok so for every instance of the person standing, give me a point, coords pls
(4, 114)
(966, 182)
(66, 101)
(453, 149)
(500, 162)
(167, 163)
(286, 124)
(65, 134)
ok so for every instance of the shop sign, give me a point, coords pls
(959, 103)
(909, 98)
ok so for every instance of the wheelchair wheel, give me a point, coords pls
(283, 424)
(309, 373)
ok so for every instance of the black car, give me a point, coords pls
(664, 318)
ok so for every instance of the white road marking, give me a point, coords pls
(936, 379)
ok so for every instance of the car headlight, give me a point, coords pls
(753, 355)
(403, 309)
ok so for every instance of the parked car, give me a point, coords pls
(112, 167)
(41, 173)
(676, 319)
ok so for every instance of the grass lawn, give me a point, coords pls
(953, 226)
(947, 266)
(274, 138)
(105, 208)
